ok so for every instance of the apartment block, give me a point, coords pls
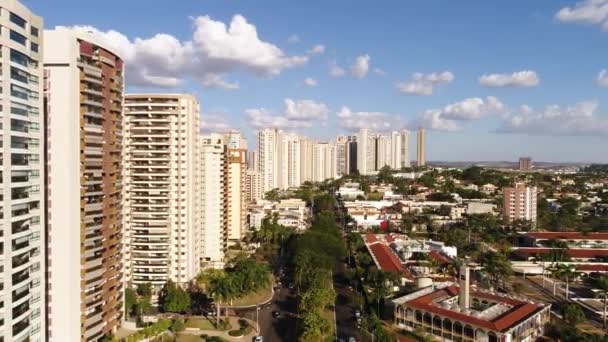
(214, 235)
(519, 202)
(22, 312)
(253, 190)
(84, 96)
(324, 161)
(525, 163)
(306, 159)
(267, 159)
(366, 152)
(235, 139)
(161, 134)
(420, 147)
(235, 193)
(288, 160)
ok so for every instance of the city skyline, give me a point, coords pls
(542, 96)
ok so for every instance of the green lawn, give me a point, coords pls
(200, 323)
(189, 338)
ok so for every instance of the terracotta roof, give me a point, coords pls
(586, 253)
(520, 310)
(439, 257)
(592, 267)
(568, 235)
(387, 260)
(371, 238)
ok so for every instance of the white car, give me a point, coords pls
(258, 339)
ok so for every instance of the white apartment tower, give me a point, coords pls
(213, 240)
(84, 96)
(306, 159)
(267, 158)
(288, 160)
(383, 151)
(23, 264)
(235, 193)
(235, 139)
(161, 132)
(400, 156)
(366, 151)
(252, 186)
(341, 155)
(324, 161)
(421, 148)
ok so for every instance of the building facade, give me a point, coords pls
(161, 201)
(525, 163)
(400, 149)
(84, 96)
(234, 139)
(519, 203)
(366, 151)
(421, 147)
(267, 158)
(23, 263)
(235, 193)
(253, 190)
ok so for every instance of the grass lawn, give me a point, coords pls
(188, 338)
(254, 298)
(329, 315)
(200, 323)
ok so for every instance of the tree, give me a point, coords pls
(385, 175)
(602, 285)
(496, 266)
(130, 301)
(177, 325)
(573, 314)
(174, 298)
(567, 272)
(272, 195)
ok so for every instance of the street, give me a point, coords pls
(345, 306)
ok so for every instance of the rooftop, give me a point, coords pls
(567, 235)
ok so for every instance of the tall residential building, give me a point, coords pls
(234, 139)
(306, 159)
(383, 152)
(366, 152)
(161, 202)
(519, 203)
(252, 160)
(420, 146)
(351, 155)
(22, 316)
(288, 160)
(84, 95)
(235, 193)
(213, 240)
(400, 156)
(267, 159)
(341, 155)
(324, 161)
(252, 186)
(525, 163)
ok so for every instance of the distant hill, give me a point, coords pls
(506, 164)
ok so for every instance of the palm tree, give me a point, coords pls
(602, 286)
(555, 274)
(564, 272)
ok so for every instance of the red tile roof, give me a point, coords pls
(592, 267)
(503, 322)
(568, 235)
(585, 253)
(371, 238)
(442, 259)
(387, 260)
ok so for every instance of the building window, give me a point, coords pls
(17, 20)
(34, 31)
(34, 47)
(18, 37)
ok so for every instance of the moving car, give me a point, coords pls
(276, 314)
(258, 339)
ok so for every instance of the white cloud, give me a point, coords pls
(524, 78)
(335, 70)
(361, 66)
(602, 78)
(296, 114)
(469, 109)
(423, 84)
(578, 120)
(375, 120)
(215, 49)
(216, 81)
(214, 123)
(316, 50)
(293, 39)
(310, 82)
(379, 72)
(594, 12)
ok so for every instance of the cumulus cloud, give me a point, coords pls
(335, 70)
(296, 114)
(375, 120)
(423, 84)
(379, 72)
(293, 39)
(593, 12)
(310, 82)
(525, 78)
(361, 66)
(316, 50)
(214, 123)
(602, 78)
(215, 49)
(470, 109)
(216, 81)
(578, 120)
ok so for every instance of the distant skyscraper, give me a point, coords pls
(519, 203)
(288, 160)
(324, 161)
(84, 91)
(525, 163)
(351, 155)
(161, 198)
(400, 156)
(234, 139)
(383, 151)
(252, 160)
(214, 235)
(420, 146)
(22, 313)
(252, 186)
(366, 151)
(235, 193)
(341, 155)
(306, 159)
(267, 158)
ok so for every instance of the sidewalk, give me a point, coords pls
(234, 322)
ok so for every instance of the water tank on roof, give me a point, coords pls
(422, 282)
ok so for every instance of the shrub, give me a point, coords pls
(178, 325)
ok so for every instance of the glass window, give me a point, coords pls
(15, 19)
(34, 31)
(19, 75)
(19, 58)
(18, 37)
(34, 47)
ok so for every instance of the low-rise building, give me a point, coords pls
(291, 213)
(477, 207)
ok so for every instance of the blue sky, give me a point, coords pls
(543, 94)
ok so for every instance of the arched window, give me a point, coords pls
(447, 324)
(428, 319)
(418, 315)
(437, 322)
(457, 328)
(468, 331)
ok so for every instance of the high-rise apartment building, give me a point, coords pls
(400, 156)
(161, 201)
(420, 147)
(84, 96)
(383, 151)
(252, 160)
(235, 139)
(351, 155)
(324, 161)
(267, 158)
(288, 160)
(235, 193)
(213, 240)
(525, 163)
(22, 316)
(252, 186)
(341, 155)
(306, 159)
(519, 203)
(366, 151)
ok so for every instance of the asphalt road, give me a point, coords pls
(345, 306)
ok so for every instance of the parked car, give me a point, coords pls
(258, 339)
(357, 313)
(276, 314)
